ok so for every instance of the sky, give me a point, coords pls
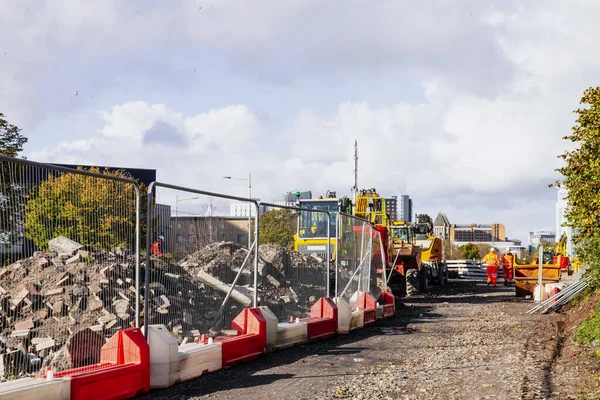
(460, 104)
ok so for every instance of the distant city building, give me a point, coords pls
(537, 237)
(391, 205)
(406, 208)
(561, 221)
(441, 226)
(290, 199)
(477, 233)
(242, 209)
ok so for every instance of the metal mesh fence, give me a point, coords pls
(69, 244)
(353, 256)
(378, 282)
(290, 282)
(199, 270)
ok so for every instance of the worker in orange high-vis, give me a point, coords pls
(492, 261)
(157, 247)
(508, 265)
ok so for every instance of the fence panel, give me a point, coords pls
(353, 256)
(200, 267)
(289, 282)
(70, 264)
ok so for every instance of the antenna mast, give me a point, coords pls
(355, 187)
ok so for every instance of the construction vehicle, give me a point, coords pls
(432, 254)
(418, 255)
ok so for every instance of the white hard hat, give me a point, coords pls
(161, 237)
(492, 249)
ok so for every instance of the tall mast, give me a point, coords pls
(355, 187)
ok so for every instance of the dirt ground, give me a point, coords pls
(463, 341)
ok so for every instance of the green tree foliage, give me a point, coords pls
(582, 173)
(278, 227)
(11, 182)
(92, 211)
(470, 251)
(11, 140)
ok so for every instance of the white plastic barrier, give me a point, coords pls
(196, 359)
(344, 315)
(539, 294)
(291, 333)
(379, 311)
(271, 327)
(164, 357)
(34, 389)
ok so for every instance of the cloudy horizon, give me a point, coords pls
(462, 105)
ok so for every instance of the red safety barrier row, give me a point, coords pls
(124, 370)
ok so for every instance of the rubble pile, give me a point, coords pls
(59, 307)
(56, 308)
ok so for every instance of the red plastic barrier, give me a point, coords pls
(323, 319)
(123, 371)
(367, 303)
(386, 299)
(251, 340)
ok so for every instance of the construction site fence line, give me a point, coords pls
(78, 231)
(185, 308)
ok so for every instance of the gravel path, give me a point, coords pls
(463, 341)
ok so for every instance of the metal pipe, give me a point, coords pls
(237, 276)
(356, 271)
(149, 211)
(255, 303)
(328, 258)
(394, 265)
(337, 250)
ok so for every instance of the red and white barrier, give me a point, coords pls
(323, 320)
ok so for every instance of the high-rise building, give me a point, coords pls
(406, 208)
(391, 205)
(478, 233)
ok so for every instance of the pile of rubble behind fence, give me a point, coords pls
(58, 308)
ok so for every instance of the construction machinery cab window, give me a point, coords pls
(315, 224)
(403, 233)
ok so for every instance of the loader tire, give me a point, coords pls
(424, 280)
(412, 282)
(441, 276)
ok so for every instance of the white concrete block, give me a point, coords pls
(344, 315)
(379, 311)
(36, 388)
(358, 320)
(164, 357)
(271, 327)
(290, 334)
(196, 359)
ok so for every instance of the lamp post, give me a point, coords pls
(177, 200)
(249, 180)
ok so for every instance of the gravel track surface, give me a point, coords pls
(463, 341)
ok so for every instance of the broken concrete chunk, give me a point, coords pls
(20, 333)
(20, 297)
(94, 304)
(119, 282)
(106, 319)
(64, 280)
(74, 259)
(94, 288)
(42, 343)
(58, 308)
(24, 325)
(273, 281)
(42, 262)
(84, 254)
(63, 245)
(55, 292)
(3, 272)
(58, 263)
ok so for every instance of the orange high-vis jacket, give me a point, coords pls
(491, 259)
(508, 260)
(156, 249)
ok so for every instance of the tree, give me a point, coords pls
(92, 211)
(11, 183)
(277, 227)
(11, 140)
(582, 174)
(470, 251)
